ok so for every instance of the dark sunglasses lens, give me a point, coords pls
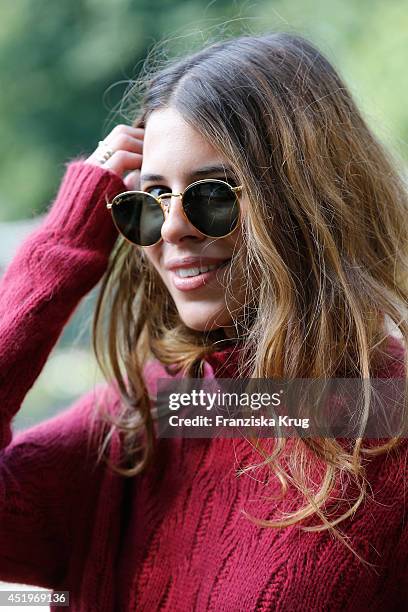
(212, 208)
(138, 217)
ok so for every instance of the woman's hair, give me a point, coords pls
(325, 244)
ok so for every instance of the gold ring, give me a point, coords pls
(105, 151)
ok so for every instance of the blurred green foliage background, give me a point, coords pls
(60, 60)
(65, 65)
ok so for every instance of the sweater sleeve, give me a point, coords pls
(50, 483)
(53, 269)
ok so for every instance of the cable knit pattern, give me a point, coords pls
(174, 538)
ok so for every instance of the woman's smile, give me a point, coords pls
(186, 279)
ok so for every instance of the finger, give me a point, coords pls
(132, 180)
(121, 129)
(122, 161)
(118, 162)
(123, 138)
(124, 142)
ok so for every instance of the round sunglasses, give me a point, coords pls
(210, 205)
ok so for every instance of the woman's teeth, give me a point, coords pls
(184, 272)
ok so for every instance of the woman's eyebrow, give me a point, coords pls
(199, 172)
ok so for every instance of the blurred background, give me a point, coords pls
(64, 67)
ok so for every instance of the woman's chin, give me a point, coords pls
(204, 322)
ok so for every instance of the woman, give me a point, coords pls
(307, 252)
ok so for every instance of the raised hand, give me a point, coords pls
(121, 152)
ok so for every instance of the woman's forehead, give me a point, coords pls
(172, 146)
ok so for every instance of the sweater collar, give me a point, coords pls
(224, 362)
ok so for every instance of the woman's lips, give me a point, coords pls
(195, 282)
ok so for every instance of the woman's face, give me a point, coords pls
(177, 155)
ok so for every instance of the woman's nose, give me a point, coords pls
(176, 226)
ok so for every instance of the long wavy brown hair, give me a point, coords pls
(325, 240)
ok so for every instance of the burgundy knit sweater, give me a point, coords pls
(174, 538)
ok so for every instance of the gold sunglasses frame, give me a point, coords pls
(166, 207)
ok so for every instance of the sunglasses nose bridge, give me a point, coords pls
(176, 223)
(167, 200)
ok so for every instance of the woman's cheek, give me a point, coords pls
(153, 254)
